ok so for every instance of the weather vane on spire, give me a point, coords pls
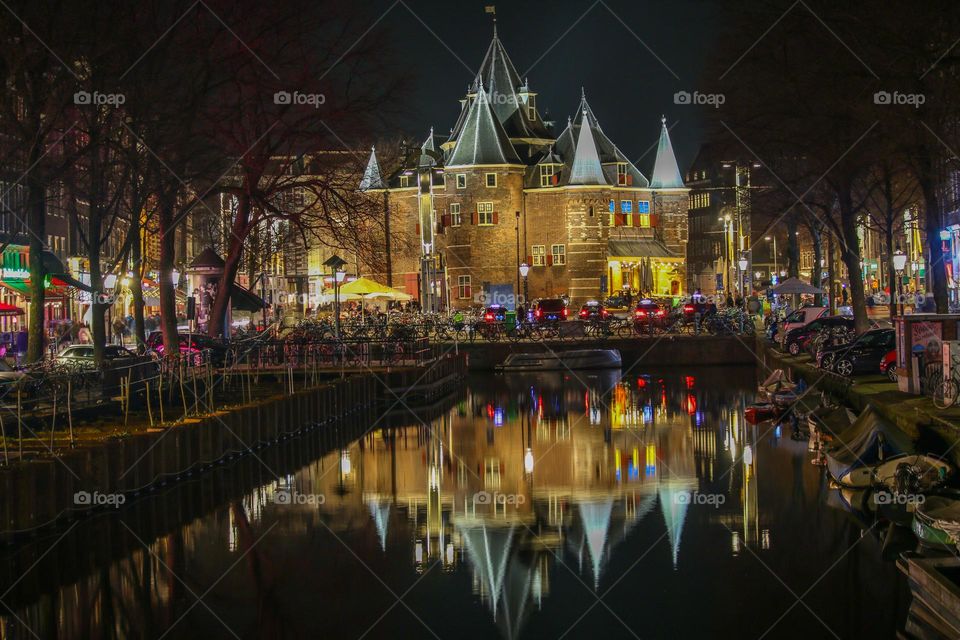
(492, 9)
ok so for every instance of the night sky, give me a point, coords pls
(626, 85)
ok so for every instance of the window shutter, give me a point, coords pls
(555, 179)
(654, 220)
(418, 229)
(446, 219)
(618, 220)
(440, 227)
(466, 290)
(530, 260)
(473, 218)
(550, 260)
(629, 179)
(496, 217)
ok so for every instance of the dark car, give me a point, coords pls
(649, 315)
(593, 311)
(863, 355)
(798, 338)
(191, 343)
(495, 313)
(549, 311)
(81, 355)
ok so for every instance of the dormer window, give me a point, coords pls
(532, 108)
(404, 182)
(547, 172)
(622, 174)
(491, 179)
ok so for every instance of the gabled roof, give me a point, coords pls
(586, 161)
(666, 173)
(483, 140)
(371, 175)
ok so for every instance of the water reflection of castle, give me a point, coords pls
(534, 471)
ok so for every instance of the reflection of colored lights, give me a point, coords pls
(594, 415)
(777, 432)
(690, 382)
(498, 416)
(647, 414)
(699, 418)
(528, 461)
(616, 458)
(691, 404)
(345, 465)
(651, 459)
(748, 455)
(490, 410)
(636, 457)
(641, 383)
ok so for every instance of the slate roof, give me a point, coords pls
(483, 139)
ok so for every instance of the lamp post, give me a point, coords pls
(336, 264)
(899, 262)
(774, 238)
(524, 272)
(743, 263)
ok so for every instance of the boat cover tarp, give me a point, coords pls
(870, 439)
(941, 513)
(831, 421)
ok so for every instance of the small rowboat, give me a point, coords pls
(562, 360)
(760, 411)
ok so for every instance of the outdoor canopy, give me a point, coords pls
(792, 286)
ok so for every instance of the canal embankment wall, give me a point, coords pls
(40, 494)
(933, 430)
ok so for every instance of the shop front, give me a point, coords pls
(643, 266)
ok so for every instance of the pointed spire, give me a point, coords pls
(666, 173)
(482, 139)
(371, 175)
(428, 152)
(586, 161)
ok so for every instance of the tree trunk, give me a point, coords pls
(136, 285)
(832, 290)
(850, 254)
(816, 273)
(216, 326)
(168, 301)
(37, 230)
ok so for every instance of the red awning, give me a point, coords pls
(10, 310)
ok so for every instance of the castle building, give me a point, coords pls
(505, 189)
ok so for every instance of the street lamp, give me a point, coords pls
(774, 238)
(336, 264)
(899, 262)
(524, 272)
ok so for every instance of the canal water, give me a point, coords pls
(529, 506)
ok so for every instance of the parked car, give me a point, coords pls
(649, 315)
(888, 365)
(618, 307)
(549, 311)
(593, 311)
(495, 313)
(863, 355)
(698, 310)
(799, 318)
(797, 339)
(191, 343)
(81, 356)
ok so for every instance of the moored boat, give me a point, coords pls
(936, 522)
(760, 411)
(562, 360)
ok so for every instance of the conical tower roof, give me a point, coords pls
(666, 173)
(371, 175)
(483, 140)
(586, 160)
(501, 79)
